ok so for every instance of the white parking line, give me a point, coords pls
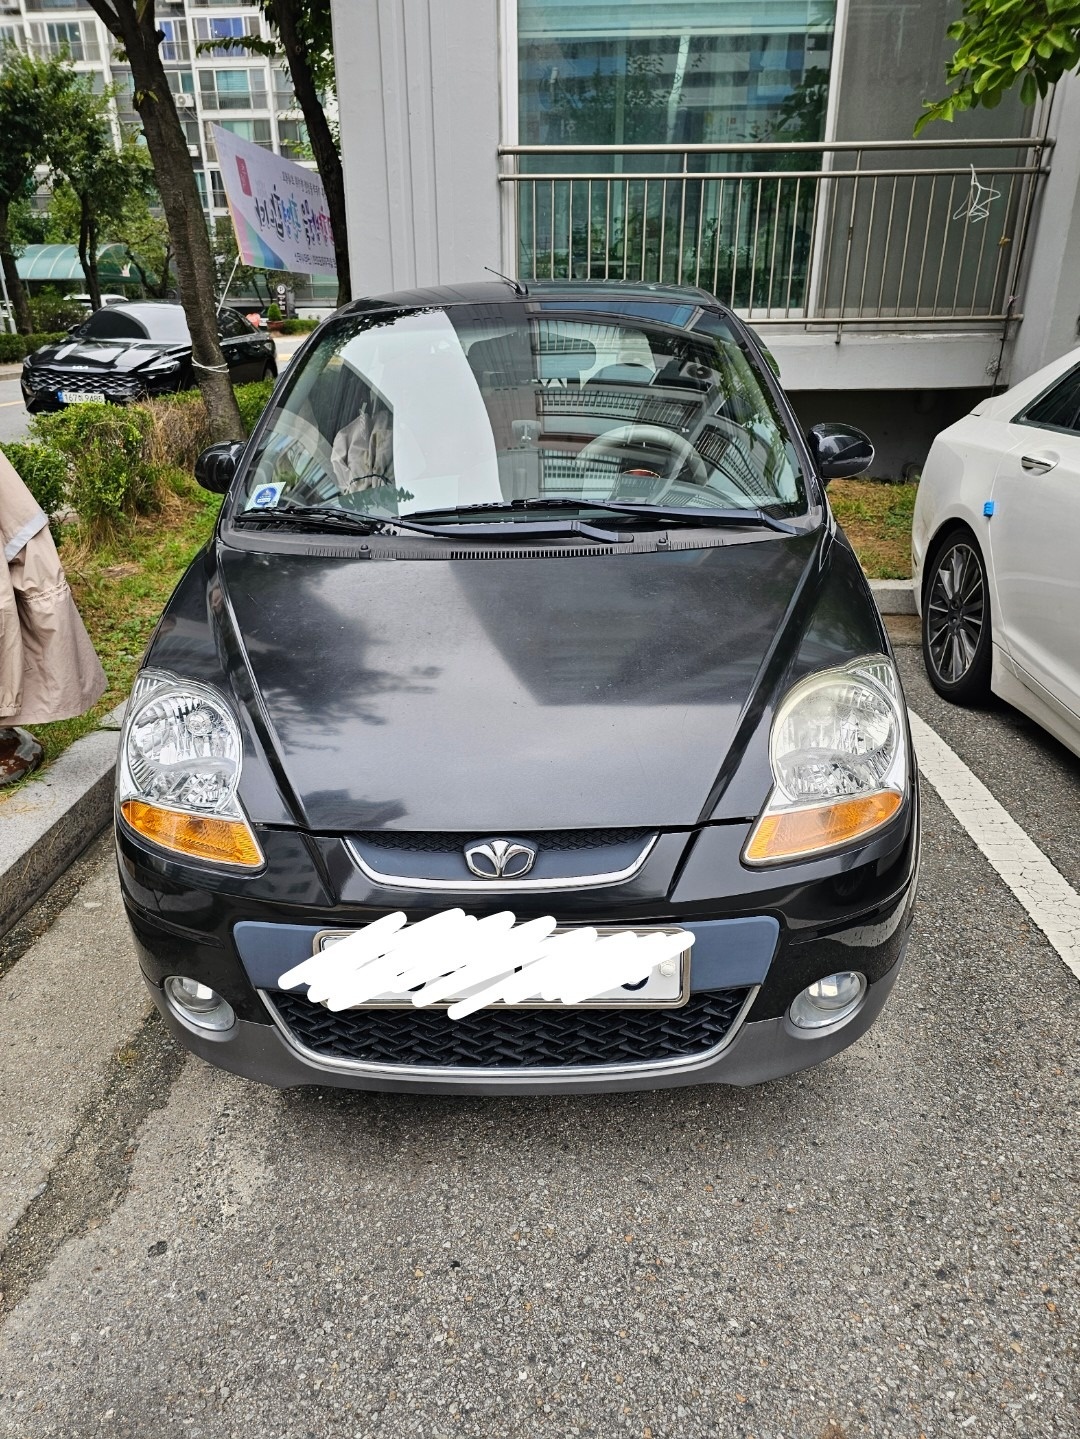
(1049, 899)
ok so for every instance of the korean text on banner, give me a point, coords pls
(278, 209)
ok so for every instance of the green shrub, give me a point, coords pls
(49, 310)
(109, 474)
(16, 347)
(252, 400)
(43, 470)
(273, 311)
(297, 327)
(47, 337)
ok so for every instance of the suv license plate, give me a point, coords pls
(82, 397)
(666, 987)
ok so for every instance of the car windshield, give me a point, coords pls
(393, 412)
(165, 324)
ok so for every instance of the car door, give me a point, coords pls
(1035, 541)
(243, 358)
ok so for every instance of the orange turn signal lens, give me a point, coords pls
(792, 833)
(200, 836)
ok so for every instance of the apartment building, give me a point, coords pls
(245, 93)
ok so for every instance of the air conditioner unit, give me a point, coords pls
(184, 101)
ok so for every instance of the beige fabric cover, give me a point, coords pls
(48, 668)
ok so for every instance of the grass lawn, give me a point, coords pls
(877, 520)
(121, 587)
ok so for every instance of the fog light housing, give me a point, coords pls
(828, 1002)
(197, 1004)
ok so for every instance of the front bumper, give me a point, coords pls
(848, 911)
(759, 1050)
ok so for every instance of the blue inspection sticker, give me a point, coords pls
(988, 508)
(264, 497)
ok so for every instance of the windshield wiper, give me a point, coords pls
(329, 517)
(689, 514)
(326, 517)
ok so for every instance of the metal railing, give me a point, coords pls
(802, 233)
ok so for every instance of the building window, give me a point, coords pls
(232, 27)
(293, 137)
(232, 90)
(77, 38)
(174, 48)
(648, 74)
(12, 35)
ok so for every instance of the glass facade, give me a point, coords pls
(672, 72)
(639, 72)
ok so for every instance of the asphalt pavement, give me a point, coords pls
(884, 1246)
(13, 416)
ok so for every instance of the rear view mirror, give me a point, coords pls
(840, 451)
(216, 466)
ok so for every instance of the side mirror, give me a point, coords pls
(216, 466)
(840, 451)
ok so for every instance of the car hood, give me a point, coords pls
(511, 694)
(104, 355)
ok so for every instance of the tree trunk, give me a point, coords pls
(15, 287)
(88, 251)
(132, 23)
(284, 14)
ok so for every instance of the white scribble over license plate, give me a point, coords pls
(665, 987)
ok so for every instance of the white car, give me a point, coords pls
(996, 551)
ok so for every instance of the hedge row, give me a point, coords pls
(297, 327)
(107, 462)
(16, 347)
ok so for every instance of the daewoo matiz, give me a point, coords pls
(528, 724)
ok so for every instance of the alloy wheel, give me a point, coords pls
(956, 612)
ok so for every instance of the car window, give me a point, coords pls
(230, 324)
(406, 410)
(113, 324)
(1058, 408)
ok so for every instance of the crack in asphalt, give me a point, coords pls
(92, 1176)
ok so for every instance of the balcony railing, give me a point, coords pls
(809, 233)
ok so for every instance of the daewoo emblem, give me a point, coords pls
(499, 859)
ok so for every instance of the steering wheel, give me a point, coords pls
(625, 436)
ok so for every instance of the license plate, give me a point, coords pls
(82, 397)
(667, 986)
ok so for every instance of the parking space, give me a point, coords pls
(884, 1246)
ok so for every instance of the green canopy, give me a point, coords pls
(61, 262)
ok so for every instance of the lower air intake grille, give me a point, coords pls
(510, 1039)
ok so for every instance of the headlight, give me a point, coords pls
(162, 367)
(179, 771)
(838, 753)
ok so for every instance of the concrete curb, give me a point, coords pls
(50, 821)
(894, 597)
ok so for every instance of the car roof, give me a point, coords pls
(494, 292)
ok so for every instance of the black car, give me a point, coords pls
(528, 724)
(129, 351)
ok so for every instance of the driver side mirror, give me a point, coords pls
(216, 466)
(840, 451)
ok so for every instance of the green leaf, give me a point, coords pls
(1029, 89)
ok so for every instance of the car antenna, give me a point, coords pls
(515, 285)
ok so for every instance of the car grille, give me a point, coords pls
(562, 841)
(116, 387)
(513, 1039)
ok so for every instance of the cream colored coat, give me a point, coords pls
(48, 668)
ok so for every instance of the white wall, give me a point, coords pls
(1051, 297)
(418, 88)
